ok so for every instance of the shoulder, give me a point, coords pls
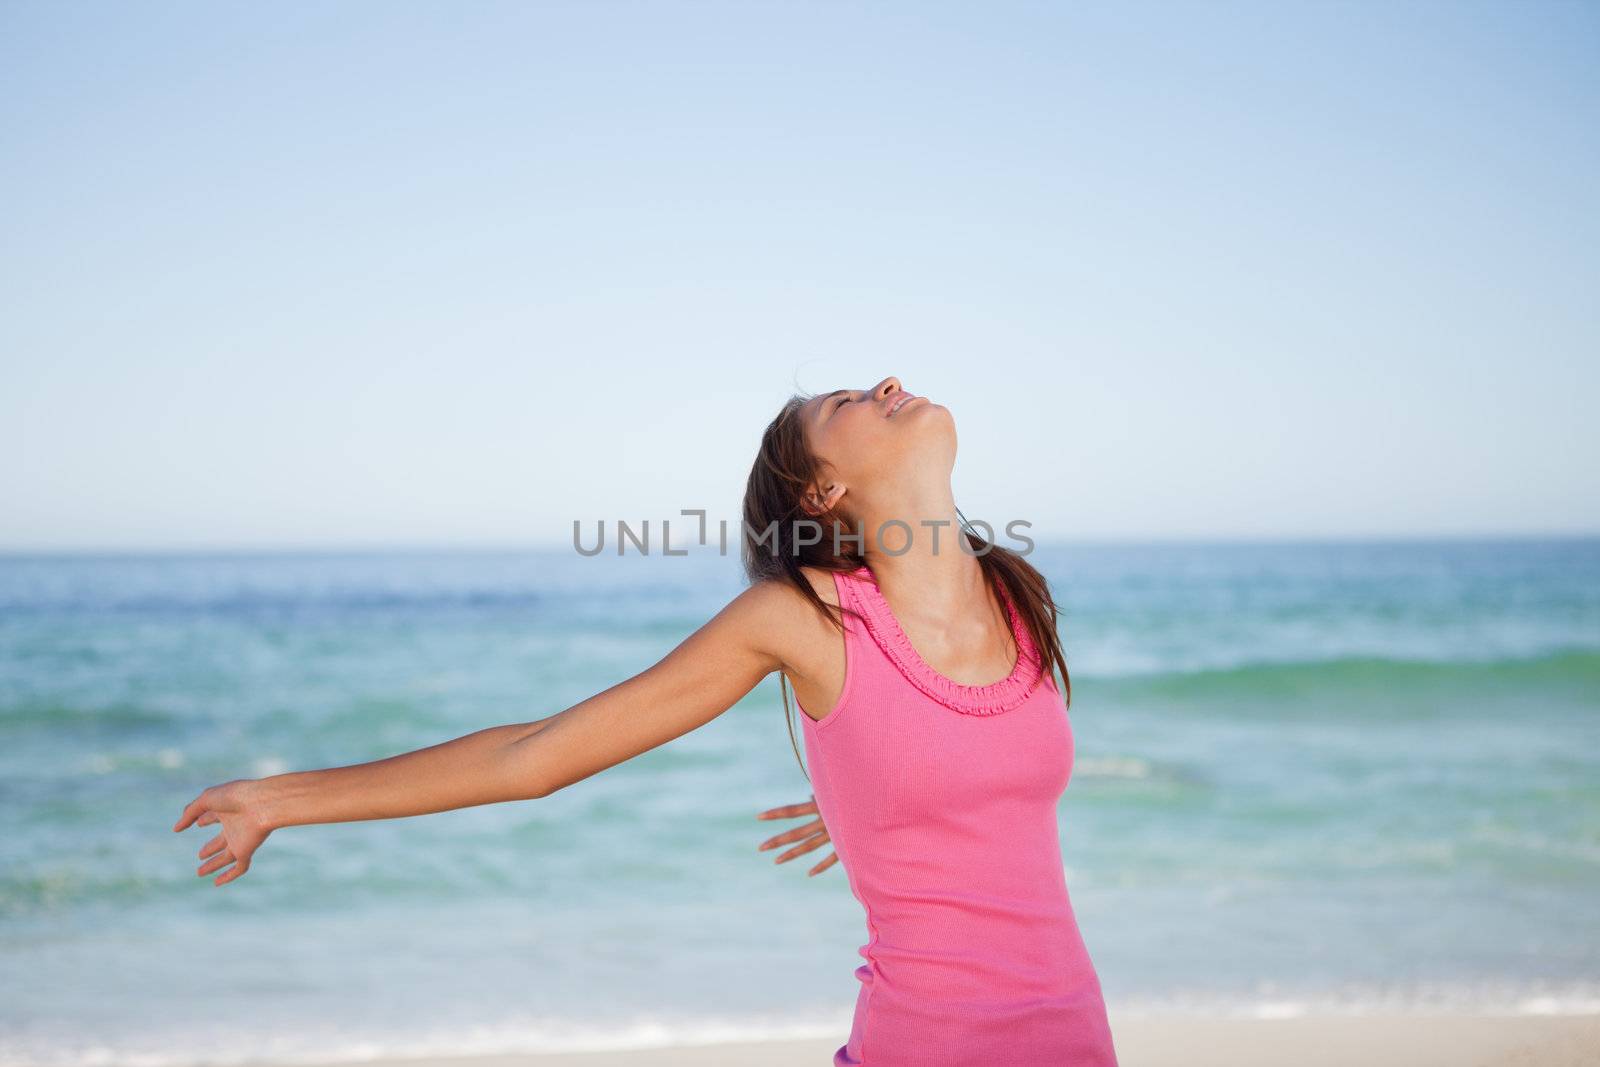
(822, 582)
(777, 617)
(778, 596)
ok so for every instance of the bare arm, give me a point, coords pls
(698, 680)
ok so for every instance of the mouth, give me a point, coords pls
(901, 401)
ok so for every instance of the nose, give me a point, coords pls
(889, 385)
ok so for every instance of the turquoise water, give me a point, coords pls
(1310, 777)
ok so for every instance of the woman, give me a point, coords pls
(939, 739)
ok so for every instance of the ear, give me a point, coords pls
(815, 503)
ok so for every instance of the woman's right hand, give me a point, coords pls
(244, 826)
(812, 835)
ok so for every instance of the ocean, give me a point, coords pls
(1311, 777)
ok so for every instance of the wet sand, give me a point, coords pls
(1329, 1041)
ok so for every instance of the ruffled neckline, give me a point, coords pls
(990, 699)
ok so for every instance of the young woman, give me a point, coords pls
(938, 738)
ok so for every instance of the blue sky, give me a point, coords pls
(387, 274)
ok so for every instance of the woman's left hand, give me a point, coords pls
(811, 836)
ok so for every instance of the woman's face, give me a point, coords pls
(878, 441)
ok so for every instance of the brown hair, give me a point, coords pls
(784, 472)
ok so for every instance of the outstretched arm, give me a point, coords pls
(698, 680)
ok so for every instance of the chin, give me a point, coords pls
(934, 423)
(931, 412)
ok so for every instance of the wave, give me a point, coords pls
(111, 717)
(280, 602)
(1573, 672)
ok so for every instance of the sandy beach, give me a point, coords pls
(1331, 1041)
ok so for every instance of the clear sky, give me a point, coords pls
(352, 274)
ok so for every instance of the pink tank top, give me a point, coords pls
(940, 800)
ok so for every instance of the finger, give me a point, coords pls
(789, 811)
(214, 844)
(207, 819)
(190, 811)
(802, 848)
(815, 826)
(833, 858)
(238, 869)
(791, 835)
(811, 839)
(217, 862)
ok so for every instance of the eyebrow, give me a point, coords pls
(830, 396)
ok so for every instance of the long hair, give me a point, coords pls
(785, 469)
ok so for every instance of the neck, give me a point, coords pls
(936, 576)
